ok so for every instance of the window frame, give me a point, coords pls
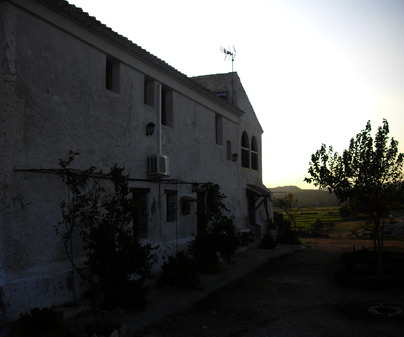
(140, 214)
(219, 129)
(171, 205)
(245, 150)
(229, 155)
(223, 94)
(254, 154)
(149, 91)
(167, 106)
(112, 74)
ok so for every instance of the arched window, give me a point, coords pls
(245, 151)
(254, 154)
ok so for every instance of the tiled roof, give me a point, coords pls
(95, 26)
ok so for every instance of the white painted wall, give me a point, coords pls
(53, 99)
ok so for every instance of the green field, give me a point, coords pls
(333, 224)
(306, 217)
(329, 216)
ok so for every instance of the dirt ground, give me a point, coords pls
(292, 295)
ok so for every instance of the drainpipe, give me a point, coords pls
(159, 114)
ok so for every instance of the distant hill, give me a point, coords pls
(305, 197)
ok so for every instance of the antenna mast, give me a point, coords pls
(227, 53)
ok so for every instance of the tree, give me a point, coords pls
(368, 175)
(288, 205)
(219, 235)
(118, 263)
(116, 257)
(81, 207)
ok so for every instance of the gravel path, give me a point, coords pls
(292, 295)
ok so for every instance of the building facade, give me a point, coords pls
(69, 83)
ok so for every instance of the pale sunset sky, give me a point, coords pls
(315, 71)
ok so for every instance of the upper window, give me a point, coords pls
(186, 205)
(140, 214)
(219, 129)
(149, 91)
(245, 150)
(254, 154)
(112, 74)
(222, 94)
(228, 150)
(167, 106)
(171, 206)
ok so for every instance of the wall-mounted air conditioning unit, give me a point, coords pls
(157, 165)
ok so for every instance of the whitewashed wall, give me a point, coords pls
(53, 100)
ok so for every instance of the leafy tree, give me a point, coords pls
(118, 263)
(288, 205)
(285, 233)
(81, 207)
(219, 237)
(321, 228)
(368, 175)
(115, 255)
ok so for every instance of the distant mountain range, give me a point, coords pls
(306, 197)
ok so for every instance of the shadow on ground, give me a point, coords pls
(290, 295)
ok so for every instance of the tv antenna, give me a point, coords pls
(227, 53)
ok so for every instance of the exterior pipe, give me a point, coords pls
(160, 93)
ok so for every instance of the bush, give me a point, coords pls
(205, 253)
(226, 236)
(288, 237)
(361, 270)
(179, 271)
(103, 329)
(368, 281)
(46, 322)
(120, 264)
(268, 242)
(218, 238)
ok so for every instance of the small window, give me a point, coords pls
(245, 151)
(112, 69)
(140, 213)
(219, 129)
(167, 106)
(171, 206)
(228, 150)
(222, 94)
(186, 203)
(254, 154)
(148, 91)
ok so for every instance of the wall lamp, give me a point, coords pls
(234, 157)
(150, 128)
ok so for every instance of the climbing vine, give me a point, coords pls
(220, 237)
(101, 216)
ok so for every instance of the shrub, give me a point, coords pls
(268, 242)
(285, 234)
(362, 270)
(370, 257)
(288, 237)
(46, 322)
(205, 253)
(368, 281)
(219, 238)
(179, 271)
(103, 329)
(118, 263)
(227, 237)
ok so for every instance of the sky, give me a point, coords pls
(315, 71)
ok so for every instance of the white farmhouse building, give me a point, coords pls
(68, 82)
